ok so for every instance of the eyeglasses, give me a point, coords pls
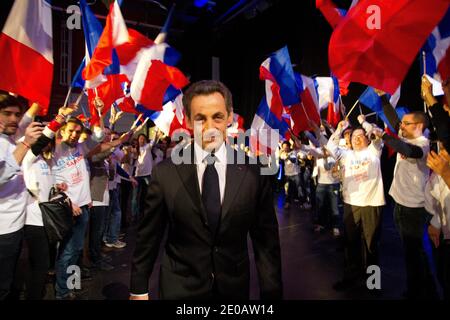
(406, 123)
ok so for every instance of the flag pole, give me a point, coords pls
(80, 96)
(67, 97)
(353, 107)
(301, 102)
(424, 61)
(370, 114)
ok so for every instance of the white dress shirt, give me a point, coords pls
(220, 165)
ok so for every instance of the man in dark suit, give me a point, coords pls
(209, 205)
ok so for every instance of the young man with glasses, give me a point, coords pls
(408, 191)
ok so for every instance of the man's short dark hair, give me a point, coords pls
(144, 135)
(204, 88)
(358, 128)
(73, 120)
(7, 100)
(420, 116)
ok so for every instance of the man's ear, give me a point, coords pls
(230, 118)
(189, 123)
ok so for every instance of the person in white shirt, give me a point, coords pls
(408, 191)
(70, 167)
(363, 198)
(144, 166)
(437, 203)
(39, 180)
(291, 173)
(13, 194)
(113, 221)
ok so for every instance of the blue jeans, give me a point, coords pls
(293, 187)
(114, 217)
(327, 194)
(96, 230)
(70, 251)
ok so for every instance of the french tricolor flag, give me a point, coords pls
(114, 34)
(154, 75)
(308, 108)
(267, 129)
(171, 118)
(329, 98)
(26, 51)
(437, 50)
(269, 126)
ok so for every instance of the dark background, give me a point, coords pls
(240, 33)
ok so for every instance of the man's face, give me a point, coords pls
(209, 119)
(347, 137)
(10, 117)
(410, 128)
(142, 141)
(107, 133)
(71, 134)
(286, 147)
(359, 140)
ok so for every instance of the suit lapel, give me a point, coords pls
(189, 177)
(235, 175)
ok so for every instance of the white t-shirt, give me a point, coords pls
(70, 167)
(144, 163)
(437, 203)
(39, 180)
(325, 176)
(13, 194)
(410, 176)
(362, 183)
(290, 168)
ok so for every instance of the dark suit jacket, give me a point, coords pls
(195, 264)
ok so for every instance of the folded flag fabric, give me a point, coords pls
(26, 51)
(380, 54)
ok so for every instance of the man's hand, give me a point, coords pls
(134, 182)
(426, 87)
(343, 125)
(361, 118)
(379, 92)
(444, 154)
(427, 92)
(65, 111)
(434, 234)
(377, 132)
(76, 210)
(33, 132)
(438, 163)
(62, 186)
(146, 297)
(99, 105)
